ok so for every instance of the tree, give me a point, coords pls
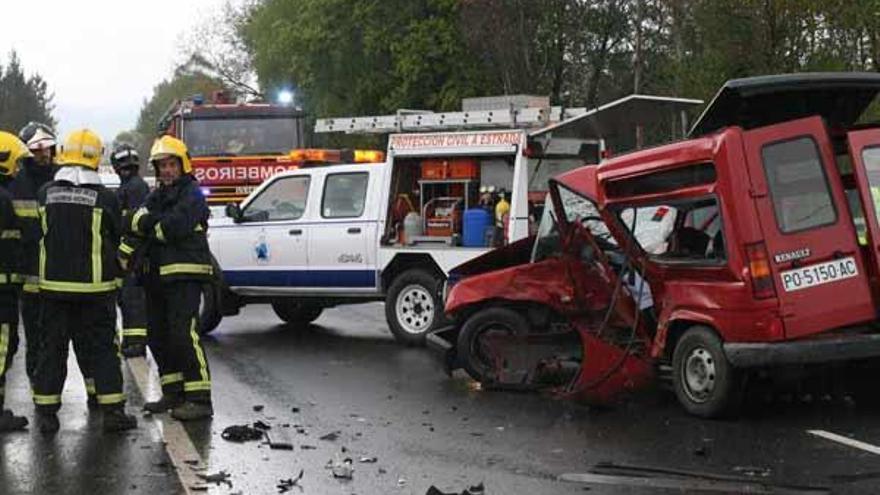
(346, 57)
(23, 99)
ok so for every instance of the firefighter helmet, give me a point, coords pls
(37, 136)
(82, 147)
(12, 150)
(166, 146)
(125, 156)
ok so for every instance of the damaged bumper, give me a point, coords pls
(810, 351)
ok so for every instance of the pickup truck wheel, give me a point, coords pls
(296, 313)
(209, 309)
(705, 382)
(473, 350)
(413, 306)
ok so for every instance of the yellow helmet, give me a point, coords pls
(166, 146)
(82, 147)
(12, 150)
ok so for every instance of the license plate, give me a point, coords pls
(819, 274)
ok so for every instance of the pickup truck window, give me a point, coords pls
(344, 195)
(798, 186)
(283, 199)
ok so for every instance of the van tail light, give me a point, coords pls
(759, 270)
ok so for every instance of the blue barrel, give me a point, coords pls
(476, 221)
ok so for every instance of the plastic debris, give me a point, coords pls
(330, 437)
(368, 460)
(241, 433)
(286, 485)
(217, 478)
(343, 469)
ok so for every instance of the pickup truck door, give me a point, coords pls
(269, 247)
(342, 247)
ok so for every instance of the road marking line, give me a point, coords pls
(177, 442)
(856, 444)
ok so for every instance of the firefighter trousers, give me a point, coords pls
(134, 312)
(31, 316)
(8, 337)
(91, 324)
(172, 316)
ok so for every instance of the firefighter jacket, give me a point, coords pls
(24, 189)
(10, 241)
(171, 231)
(81, 227)
(131, 193)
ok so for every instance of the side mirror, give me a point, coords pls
(233, 211)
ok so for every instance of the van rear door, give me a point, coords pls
(864, 148)
(820, 277)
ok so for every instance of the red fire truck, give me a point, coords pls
(236, 146)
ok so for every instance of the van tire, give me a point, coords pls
(209, 310)
(414, 306)
(705, 382)
(297, 313)
(497, 318)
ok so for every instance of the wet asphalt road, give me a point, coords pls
(345, 374)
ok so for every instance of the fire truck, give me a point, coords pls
(237, 146)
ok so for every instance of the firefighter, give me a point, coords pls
(37, 170)
(176, 262)
(12, 151)
(81, 224)
(131, 194)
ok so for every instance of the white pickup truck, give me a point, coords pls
(317, 237)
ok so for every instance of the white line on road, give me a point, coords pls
(856, 444)
(177, 442)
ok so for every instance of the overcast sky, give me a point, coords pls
(101, 58)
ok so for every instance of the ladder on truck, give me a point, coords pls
(425, 121)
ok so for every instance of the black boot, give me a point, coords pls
(92, 402)
(11, 422)
(134, 350)
(115, 419)
(169, 400)
(192, 411)
(47, 422)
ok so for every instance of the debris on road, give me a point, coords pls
(478, 489)
(294, 409)
(241, 433)
(343, 469)
(286, 485)
(277, 445)
(331, 437)
(754, 471)
(260, 425)
(308, 447)
(258, 407)
(368, 460)
(217, 478)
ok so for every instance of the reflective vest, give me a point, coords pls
(10, 243)
(81, 230)
(24, 199)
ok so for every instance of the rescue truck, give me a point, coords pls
(747, 249)
(317, 237)
(237, 146)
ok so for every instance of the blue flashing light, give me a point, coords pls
(285, 97)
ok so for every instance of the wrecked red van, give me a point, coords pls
(752, 245)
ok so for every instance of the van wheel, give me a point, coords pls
(705, 382)
(413, 306)
(473, 352)
(209, 309)
(297, 313)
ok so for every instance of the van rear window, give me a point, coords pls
(798, 185)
